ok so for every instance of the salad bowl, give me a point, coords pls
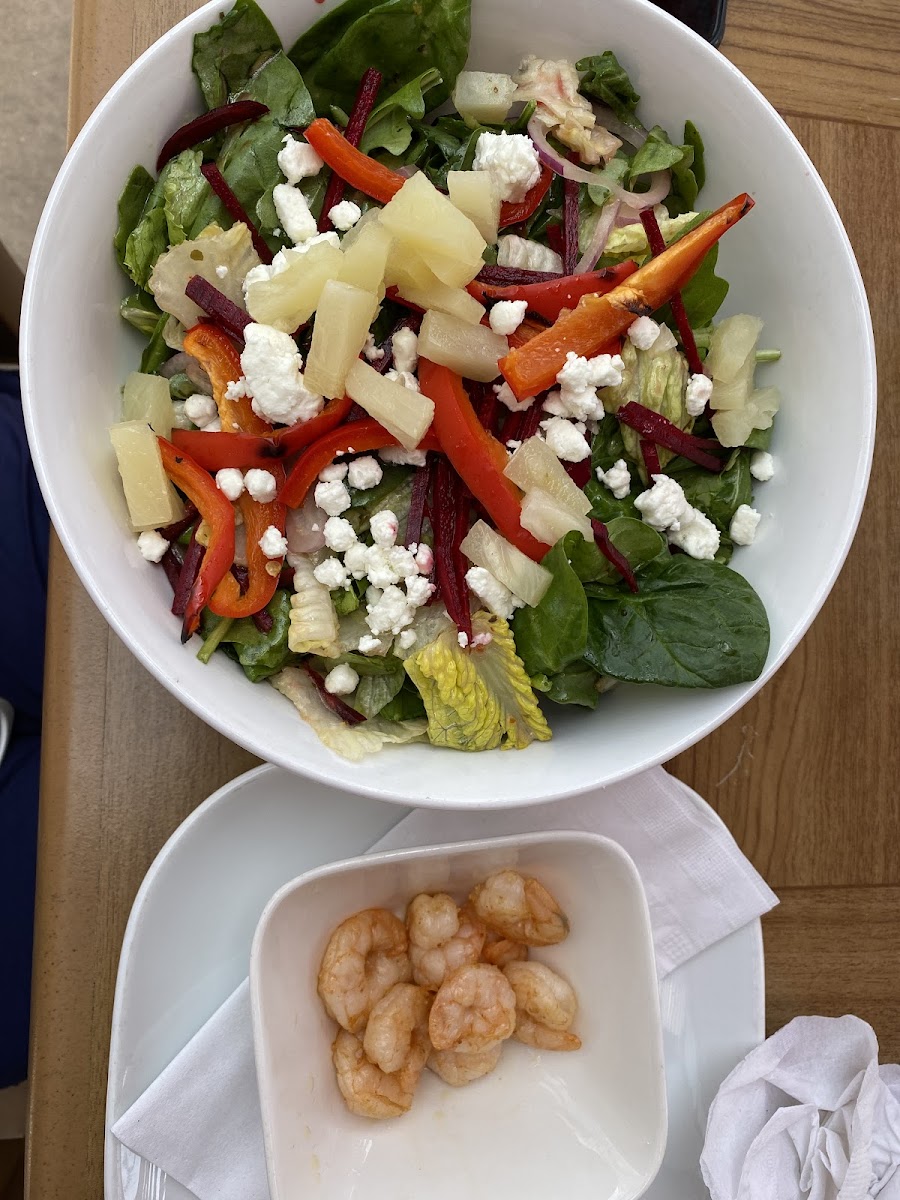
(790, 262)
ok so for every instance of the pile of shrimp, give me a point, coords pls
(443, 989)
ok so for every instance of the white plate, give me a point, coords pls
(187, 946)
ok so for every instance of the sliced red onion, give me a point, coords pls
(627, 133)
(599, 237)
(302, 538)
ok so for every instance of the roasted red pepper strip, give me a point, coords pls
(512, 213)
(550, 298)
(532, 368)
(477, 457)
(215, 509)
(217, 450)
(348, 439)
(216, 354)
(354, 167)
(227, 600)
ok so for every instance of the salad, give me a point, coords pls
(435, 426)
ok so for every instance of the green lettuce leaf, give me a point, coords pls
(402, 38)
(170, 208)
(607, 80)
(639, 542)
(184, 190)
(226, 55)
(260, 654)
(388, 127)
(140, 310)
(156, 351)
(576, 685)
(688, 175)
(134, 197)
(656, 154)
(552, 635)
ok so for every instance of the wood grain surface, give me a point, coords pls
(806, 775)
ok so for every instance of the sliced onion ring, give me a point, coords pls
(628, 133)
(599, 238)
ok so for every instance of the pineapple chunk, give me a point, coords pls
(470, 350)
(152, 500)
(534, 465)
(486, 548)
(455, 301)
(290, 297)
(404, 413)
(406, 269)
(342, 325)
(424, 221)
(366, 258)
(475, 194)
(146, 398)
(546, 518)
(483, 97)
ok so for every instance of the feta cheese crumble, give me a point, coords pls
(617, 478)
(405, 349)
(271, 364)
(339, 535)
(507, 315)
(200, 409)
(507, 397)
(390, 612)
(424, 558)
(565, 440)
(384, 527)
(511, 159)
(335, 470)
(152, 545)
(214, 426)
(643, 332)
(344, 215)
(762, 466)
(230, 482)
(372, 352)
(333, 498)
(341, 680)
(696, 398)
(273, 543)
(221, 271)
(293, 212)
(492, 593)
(297, 160)
(407, 639)
(665, 507)
(402, 458)
(364, 473)
(369, 644)
(405, 377)
(743, 525)
(332, 573)
(261, 485)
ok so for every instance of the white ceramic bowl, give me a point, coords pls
(589, 1125)
(789, 260)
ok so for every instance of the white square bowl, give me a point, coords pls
(586, 1124)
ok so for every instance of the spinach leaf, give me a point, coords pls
(656, 154)
(576, 685)
(607, 80)
(140, 310)
(553, 634)
(607, 448)
(387, 664)
(688, 175)
(260, 654)
(375, 691)
(134, 196)
(402, 38)
(156, 351)
(639, 542)
(388, 127)
(718, 495)
(226, 55)
(693, 624)
(760, 439)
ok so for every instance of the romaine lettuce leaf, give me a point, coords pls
(134, 197)
(226, 55)
(260, 654)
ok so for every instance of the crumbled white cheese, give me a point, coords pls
(665, 507)
(424, 557)
(271, 364)
(152, 545)
(507, 315)
(402, 458)
(405, 377)
(513, 444)
(762, 466)
(515, 251)
(405, 349)
(492, 593)
(369, 644)
(297, 160)
(344, 215)
(697, 537)
(565, 440)
(200, 409)
(380, 568)
(230, 482)
(407, 639)
(696, 398)
(273, 543)
(283, 259)
(213, 426)
(364, 473)
(617, 478)
(372, 352)
(339, 535)
(237, 389)
(743, 525)
(221, 270)
(383, 527)
(341, 680)
(333, 498)
(332, 573)
(463, 639)
(402, 561)
(418, 590)
(335, 470)
(507, 397)
(390, 612)
(293, 212)
(355, 559)
(643, 332)
(512, 161)
(261, 485)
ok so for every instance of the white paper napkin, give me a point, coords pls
(809, 1114)
(200, 1120)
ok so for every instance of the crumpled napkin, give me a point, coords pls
(808, 1114)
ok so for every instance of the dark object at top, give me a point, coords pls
(706, 17)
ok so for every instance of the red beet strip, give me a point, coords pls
(362, 107)
(579, 472)
(235, 209)
(173, 532)
(651, 457)
(523, 425)
(347, 714)
(659, 429)
(263, 620)
(421, 486)
(513, 276)
(570, 226)
(206, 125)
(612, 555)
(657, 246)
(190, 567)
(171, 563)
(446, 510)
(217, 306)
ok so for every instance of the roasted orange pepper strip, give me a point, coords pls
(550, 298)
(476, 455)
(348, 439)
(354, 167)
(226, 600)
(216, 511)
(217, 356)
(532, 368)
(511, 213)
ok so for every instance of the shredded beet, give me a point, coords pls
(556, 239)
(347, 714)
(171, 563)
(217, 306)
(659, 429)
(650, 455)
(612, 555)
(173, 532)
(488, 409)
(524, 424)
(393, 294)
(286, 578)
(242, 575)
(421, 486)
(206, 125)
(193, 557)
(263, 620)
(570, 226)
(235, 209)
(513, 276)
(579, 472)
(657, 246)
(449, 516)
(362, 107)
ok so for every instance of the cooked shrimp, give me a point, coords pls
(520, 909)
(397, 1032)
(441, 938)
(367, 1090)
(365, 956)
(475, 1007)
(457, 1067)
(498, 951)
(546, 1005)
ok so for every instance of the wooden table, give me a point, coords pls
(806, 775)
